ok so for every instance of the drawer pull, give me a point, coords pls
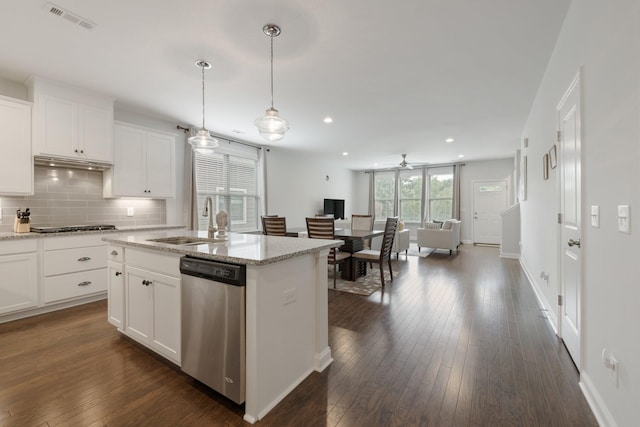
(84, 258)
(84, 283)
(114, 253)
(118, 273)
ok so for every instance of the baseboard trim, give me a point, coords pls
(508, 255)
(597, 405)
(551, 314)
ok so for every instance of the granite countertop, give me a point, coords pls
(14, 236)
(240, 248)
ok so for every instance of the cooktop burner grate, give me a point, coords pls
(70, 228)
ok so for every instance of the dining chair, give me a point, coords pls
(385, 250)
(262, 220)
(324, 228)
(274, 226)
(362, 222)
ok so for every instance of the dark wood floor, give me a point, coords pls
(453, 341)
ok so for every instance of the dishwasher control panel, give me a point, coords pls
(232, 274)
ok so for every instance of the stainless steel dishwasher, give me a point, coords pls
(213, 324)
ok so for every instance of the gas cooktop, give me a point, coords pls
(69, 228)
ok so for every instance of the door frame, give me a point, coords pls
(575, 82)
(473, 202)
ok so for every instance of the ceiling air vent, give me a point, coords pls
(69, 16)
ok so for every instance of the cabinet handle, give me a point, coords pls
(84, 258)
(82, 151)
(84, 283)
(75, 151)
(118, 273)
(114, 253)
(147, 282)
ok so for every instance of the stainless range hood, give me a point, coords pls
(70, 163)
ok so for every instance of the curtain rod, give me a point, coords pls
(224, 138)
(415, 167)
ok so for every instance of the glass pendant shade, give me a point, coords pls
(202, 142)
(272, 127)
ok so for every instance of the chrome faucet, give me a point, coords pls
(208, 212)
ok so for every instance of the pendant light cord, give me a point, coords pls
(202, 97)
(271, 37)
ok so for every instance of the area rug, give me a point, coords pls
(424, 252)
(365, 285)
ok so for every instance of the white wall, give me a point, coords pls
(602, 37)
(485, 170)
(297, 185)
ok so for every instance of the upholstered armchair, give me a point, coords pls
(447, 237)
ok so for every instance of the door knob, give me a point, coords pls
(573, 243)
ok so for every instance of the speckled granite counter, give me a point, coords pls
(250, 249)
(137, 228)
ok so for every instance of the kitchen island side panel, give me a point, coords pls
(281, 329)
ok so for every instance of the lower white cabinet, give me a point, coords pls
(152, 307)
(18, 276)
(115, 294)
(74, 267)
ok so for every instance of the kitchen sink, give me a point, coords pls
(184, 240)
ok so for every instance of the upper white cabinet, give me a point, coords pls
(16, 164)
(69, 122)
(143, 164)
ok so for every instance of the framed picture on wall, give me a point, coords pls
(553, 157)
(545, 166)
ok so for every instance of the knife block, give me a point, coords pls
(21, 227)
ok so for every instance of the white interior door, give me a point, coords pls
(489, 198)
(570, 224)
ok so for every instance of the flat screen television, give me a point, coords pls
(335, 207)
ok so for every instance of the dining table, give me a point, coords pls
(353, 242)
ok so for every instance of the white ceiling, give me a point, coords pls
(396, 76)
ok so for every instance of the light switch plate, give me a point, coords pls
(624, 219)
(129, 211)
(595, 216)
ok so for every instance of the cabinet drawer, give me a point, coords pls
(74, 285)
(115, 253)
(18, 246)
(71, 260)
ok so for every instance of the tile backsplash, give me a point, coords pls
(74, 196)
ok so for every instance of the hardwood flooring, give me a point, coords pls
(452, 341)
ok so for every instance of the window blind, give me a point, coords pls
(230, 178)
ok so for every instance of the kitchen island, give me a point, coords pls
(286, 320)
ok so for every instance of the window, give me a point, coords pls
(410, 196)
(232, 182)
(384, 190)
(440, 206)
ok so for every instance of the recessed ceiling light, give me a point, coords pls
(237, 131)
(460, 156)
(344, 153)
(328, 120)
(449, 140)
(375, 164)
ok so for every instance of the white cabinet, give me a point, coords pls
(18, 275)
(115, 286)
(74, 267)
(152, 300)
(16, 164)
(144, 164)
(69, 122)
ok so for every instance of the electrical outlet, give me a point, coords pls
(129, 211)
(289, 296)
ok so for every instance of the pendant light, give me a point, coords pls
(202, 142)
(271, 127)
